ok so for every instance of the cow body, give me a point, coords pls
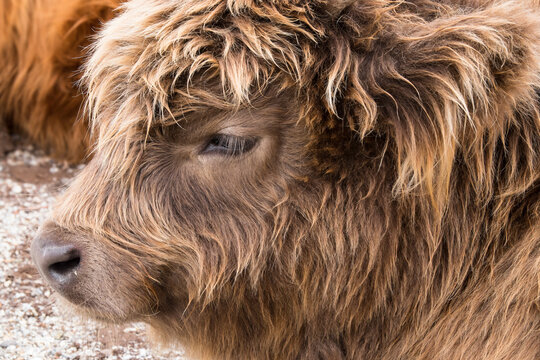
(42, 45)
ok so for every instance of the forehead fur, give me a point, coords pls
(222, 53)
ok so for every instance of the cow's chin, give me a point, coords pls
(103, 310)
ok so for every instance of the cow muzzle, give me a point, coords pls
(59, 260)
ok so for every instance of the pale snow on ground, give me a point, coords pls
(31, 325)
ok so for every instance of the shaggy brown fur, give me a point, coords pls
(383, 203)
(41, 49)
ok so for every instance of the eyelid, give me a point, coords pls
(229, 145)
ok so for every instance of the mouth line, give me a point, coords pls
(90, 309)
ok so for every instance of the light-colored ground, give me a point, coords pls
(31, 325)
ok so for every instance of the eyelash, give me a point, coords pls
(229, 145)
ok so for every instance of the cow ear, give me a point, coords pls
(453, 84)
(336, 7)
(442, 91)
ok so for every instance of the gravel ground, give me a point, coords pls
(31, 325)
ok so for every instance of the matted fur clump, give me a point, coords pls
(311, 179)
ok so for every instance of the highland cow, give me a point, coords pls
(311, 179)
(42, 44)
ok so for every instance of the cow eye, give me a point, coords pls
(230, 145)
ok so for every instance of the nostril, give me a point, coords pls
(63, 268)
(58, 263)
(60, 259)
